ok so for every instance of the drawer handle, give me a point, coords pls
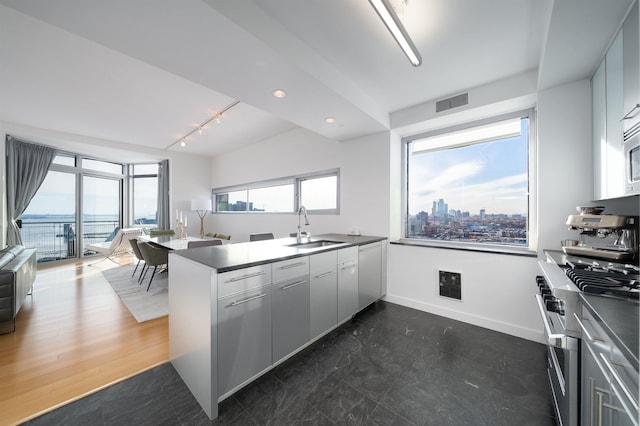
(288, 286)
(586, 332)
(349, 266)
(630, 114)
(363, 248)
(326, 274)
(293, 265)
(248, 299)
(244, 277)
(617, 378)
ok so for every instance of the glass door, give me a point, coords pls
(49, 222)
(101, 209)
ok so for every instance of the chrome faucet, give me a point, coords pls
(302, 211)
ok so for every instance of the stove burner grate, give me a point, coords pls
(604, 280)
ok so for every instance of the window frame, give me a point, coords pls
(289, 180)
(531, 247)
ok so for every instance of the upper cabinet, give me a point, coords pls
(615, 97)
(631, 69)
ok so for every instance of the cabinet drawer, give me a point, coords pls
(593, 334)
(287, 269)
(347, 254)
(233, 282)
(323, 261)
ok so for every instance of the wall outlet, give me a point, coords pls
(450, 284)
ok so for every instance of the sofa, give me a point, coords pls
(17, 274)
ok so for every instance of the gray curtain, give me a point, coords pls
(164, 218)
(27, 166)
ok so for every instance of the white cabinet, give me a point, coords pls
(599, 122)
(369, 273)
(324, 292)
(615, 107)
(290, 306)
(607, 99)
(244, 337)
(631, 70)
(347, 283)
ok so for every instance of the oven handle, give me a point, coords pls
(561, 341)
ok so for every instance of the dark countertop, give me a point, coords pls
(619, 318)
(230, 257)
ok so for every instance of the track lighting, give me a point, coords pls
(216, 117)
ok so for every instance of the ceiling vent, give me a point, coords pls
(452, 102)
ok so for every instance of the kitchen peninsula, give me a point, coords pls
(238, 310)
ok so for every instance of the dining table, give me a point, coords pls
(172, 242)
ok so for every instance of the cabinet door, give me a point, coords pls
(244, 337)
(347, 289)
(599, 123)
(290, 317)
(593, 387)
(324, 292)
(614, 158)
(369, 274)
(324, 300)
(631, 42)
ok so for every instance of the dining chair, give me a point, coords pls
(136, 252)
(204, 243)
(261, 237)
(221, 236)
(159, 232)
(153, 256)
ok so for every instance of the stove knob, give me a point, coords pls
(554, 306)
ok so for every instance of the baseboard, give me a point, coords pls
(502, 327)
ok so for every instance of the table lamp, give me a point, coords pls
(201, 207)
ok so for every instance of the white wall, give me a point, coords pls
(498, 289)
(189, 174)
(364, 183)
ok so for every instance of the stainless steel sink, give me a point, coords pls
(315, 244)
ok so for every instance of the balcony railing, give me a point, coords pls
(57, 240)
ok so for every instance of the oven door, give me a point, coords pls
(632, 165)
(563, 360)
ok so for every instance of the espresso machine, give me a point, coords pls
(611, 237)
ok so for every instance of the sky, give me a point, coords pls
(491, 176)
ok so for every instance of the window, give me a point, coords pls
(144, 190)
(102, 166)
(318, 192)
(470, 185)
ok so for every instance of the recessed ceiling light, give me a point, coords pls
(279, 93)
(330, 120)
(183, 143)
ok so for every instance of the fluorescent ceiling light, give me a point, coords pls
(391, 20)
(489, 132)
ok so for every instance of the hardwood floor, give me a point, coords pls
(74, 336)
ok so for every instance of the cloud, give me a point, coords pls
(504, 195)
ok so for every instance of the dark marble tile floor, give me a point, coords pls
(390, 365)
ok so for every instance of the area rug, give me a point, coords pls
(144, 305)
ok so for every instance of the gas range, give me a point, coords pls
(563, 279)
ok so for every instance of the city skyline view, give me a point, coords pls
(491, 175)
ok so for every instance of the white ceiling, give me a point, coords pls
(147, 72)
